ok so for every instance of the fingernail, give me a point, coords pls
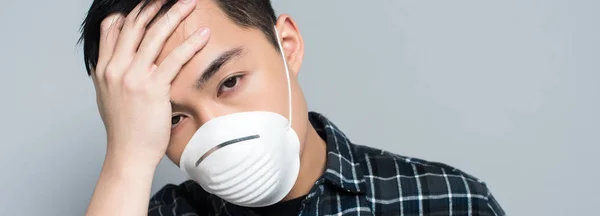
(185, 1)
(203, 32)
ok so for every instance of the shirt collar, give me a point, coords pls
(342, 170)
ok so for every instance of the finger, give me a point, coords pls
(109, 33)
(133, 30)
(168, 69)
(156, 36)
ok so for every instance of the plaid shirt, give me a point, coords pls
(358, 180)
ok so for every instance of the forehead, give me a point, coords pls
(225, 34)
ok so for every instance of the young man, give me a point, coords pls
(224, 74)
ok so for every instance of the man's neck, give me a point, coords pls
(312, 164)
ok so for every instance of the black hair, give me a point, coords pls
(257, 14)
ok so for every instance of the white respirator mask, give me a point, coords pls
(249, 159)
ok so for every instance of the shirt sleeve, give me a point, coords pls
(493, 206)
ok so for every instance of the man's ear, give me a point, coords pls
(291, 41)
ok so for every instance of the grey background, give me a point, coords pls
(505, 90)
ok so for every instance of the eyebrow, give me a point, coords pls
(216, 65)
(211, 70)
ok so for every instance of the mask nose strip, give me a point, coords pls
(226, 143)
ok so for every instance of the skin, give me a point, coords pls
(151, 103)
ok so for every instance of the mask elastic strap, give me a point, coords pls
(287, 73)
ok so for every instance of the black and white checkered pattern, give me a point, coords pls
(358, 180)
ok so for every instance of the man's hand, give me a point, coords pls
(133, 100)
(132, 92)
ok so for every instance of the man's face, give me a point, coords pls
(238, 70)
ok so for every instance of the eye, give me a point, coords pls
(175, 120)
(229, 84)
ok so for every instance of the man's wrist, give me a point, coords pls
(129, 166)
(124, 186)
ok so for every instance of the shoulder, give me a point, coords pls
(422, 181)
(406, 165)
(381, 164)
(181, 199)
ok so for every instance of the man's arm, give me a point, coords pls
(122, 189)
